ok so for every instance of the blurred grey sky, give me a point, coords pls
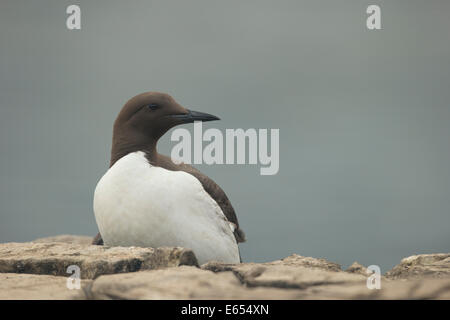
(363, 115)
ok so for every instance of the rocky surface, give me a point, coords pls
(66, 238)
(17, 286)
(293, 272)
(185, 282)
(425, 265)
(37, 270)
(356, 267)
(54, 258)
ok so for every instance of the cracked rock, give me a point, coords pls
(54, 258)
(37, 270)
(183, 282)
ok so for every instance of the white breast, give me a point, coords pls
(137, 204)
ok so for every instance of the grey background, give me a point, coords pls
(363, 115)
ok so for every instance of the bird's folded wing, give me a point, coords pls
(219, 196)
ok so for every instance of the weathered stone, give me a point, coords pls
(66, 238)
(358, 268)
(163, 274)
(293, 260)
(180, 283)
(296, 260)
(15, 286)
(54, 258)
(286, 276)
(390, 289)
(292, 272)
(192, 283)
(435, 265)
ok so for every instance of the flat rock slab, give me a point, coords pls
(14, 286)
(54, 258)
(436, 265)
(293, 272)
(187, 282)
(183, 282)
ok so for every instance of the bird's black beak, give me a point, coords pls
(192, 116)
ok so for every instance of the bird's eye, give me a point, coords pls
(153, 106)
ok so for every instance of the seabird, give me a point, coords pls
(147, 200)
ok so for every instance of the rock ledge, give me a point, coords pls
(37, 270)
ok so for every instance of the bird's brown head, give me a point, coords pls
(145, 118)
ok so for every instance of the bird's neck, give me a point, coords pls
(122, 147)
